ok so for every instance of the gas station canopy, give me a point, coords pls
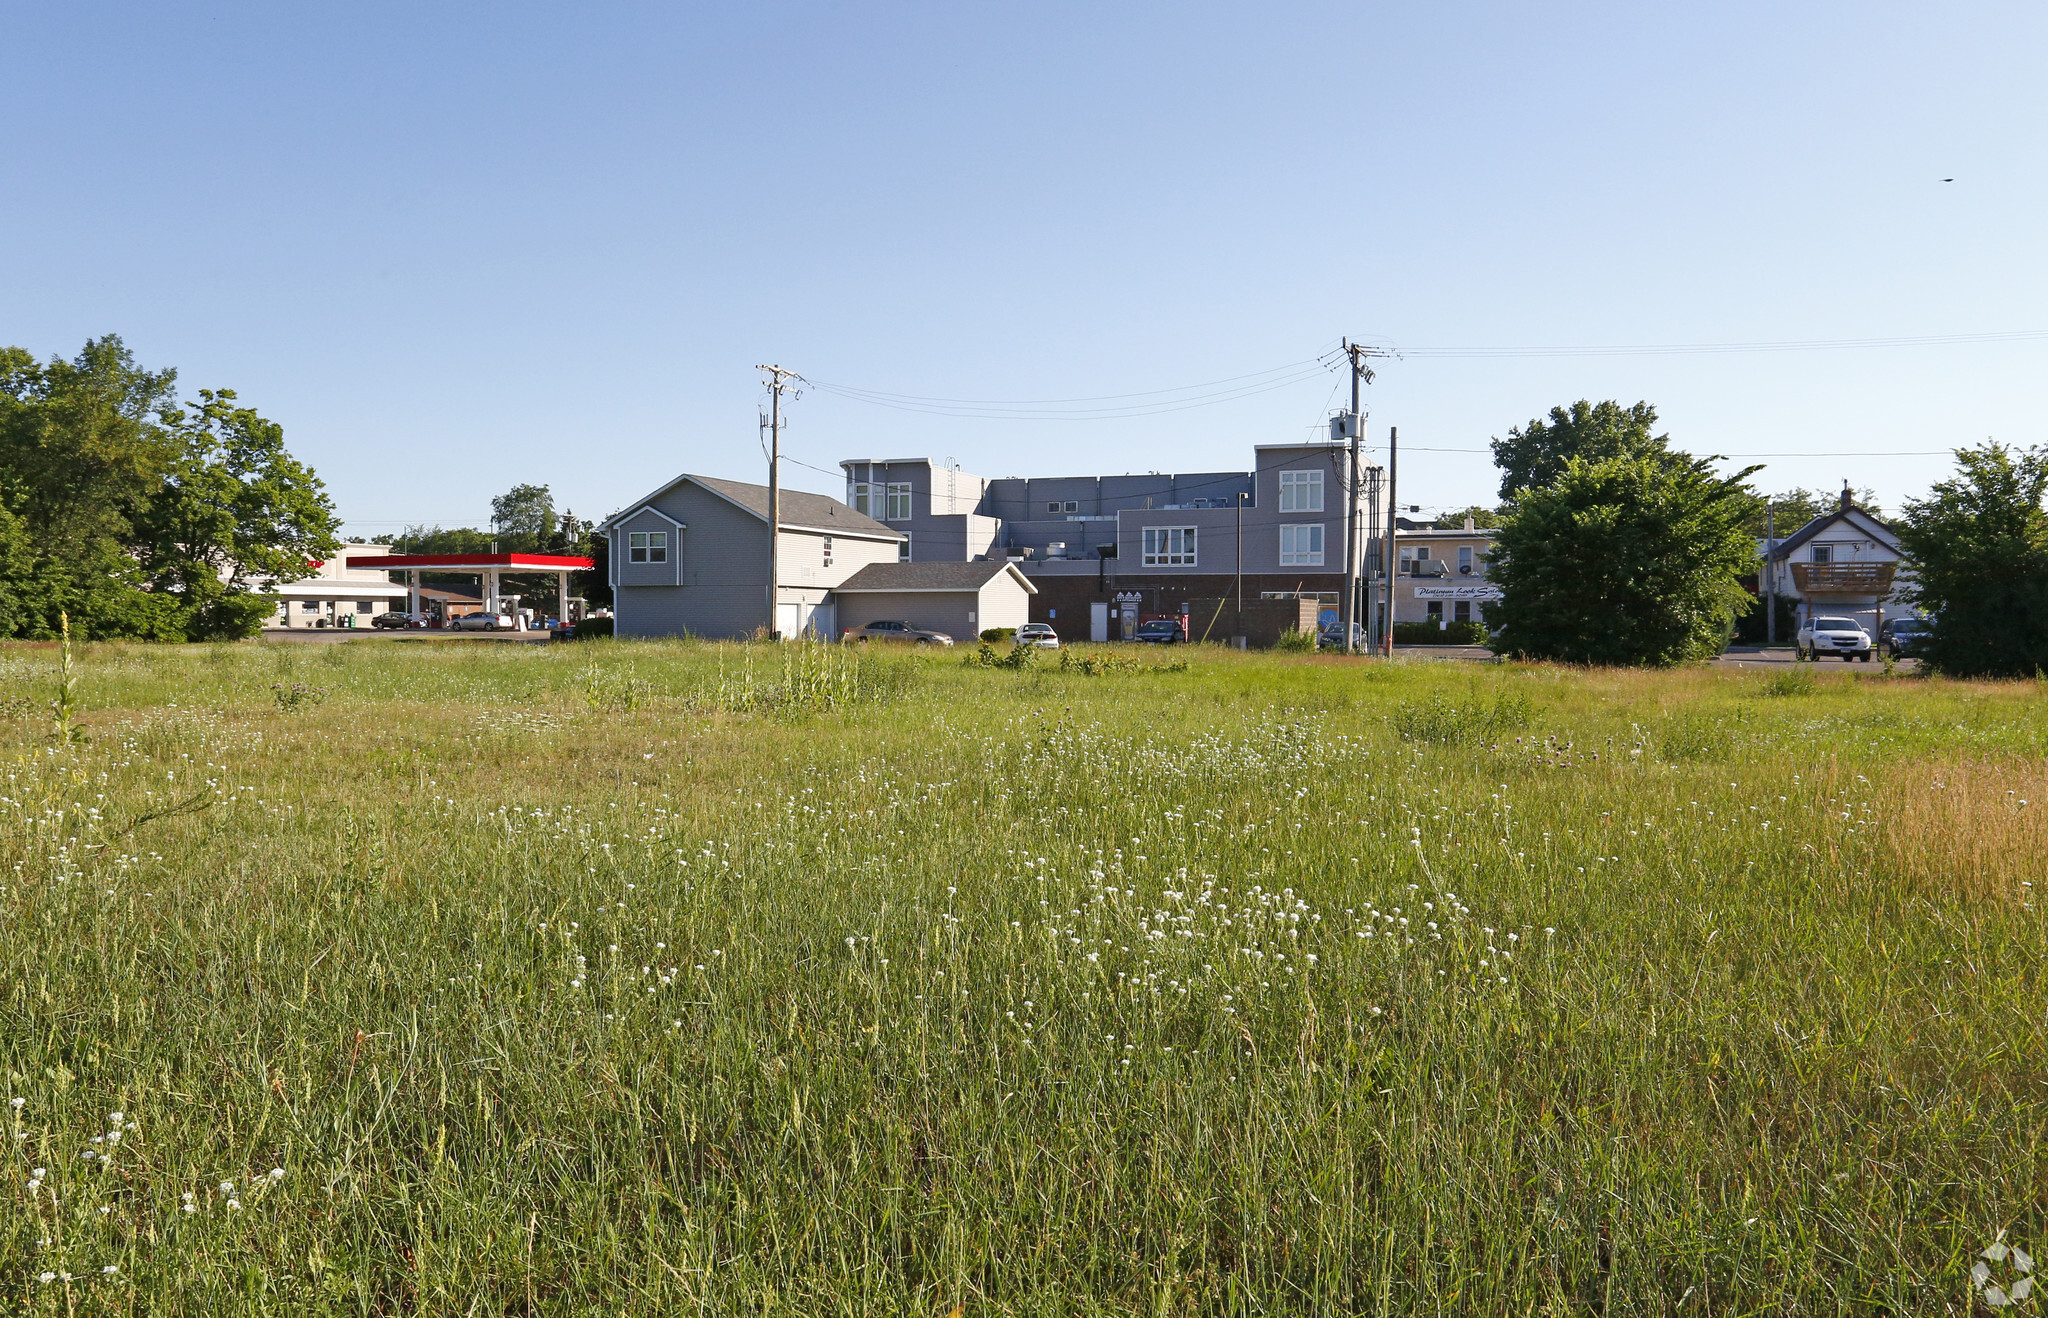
(488, 569)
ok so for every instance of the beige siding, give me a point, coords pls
(1004, 603)
(803, 558)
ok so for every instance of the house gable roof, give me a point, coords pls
(801, 511)
(1852, 516)
(926, 577)
(648, 508)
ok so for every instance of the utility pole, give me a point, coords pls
(1355, 429)
(1770, 575)
(778, 380)
(1393, 529)
(1240, 563)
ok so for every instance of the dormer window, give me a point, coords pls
(647, 546)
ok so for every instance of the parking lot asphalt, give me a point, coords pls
(335, 635)
(1741, 656)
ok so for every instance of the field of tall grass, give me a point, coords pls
(617, 978)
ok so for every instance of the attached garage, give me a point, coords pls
(960, 599)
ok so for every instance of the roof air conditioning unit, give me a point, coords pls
(1056, 549)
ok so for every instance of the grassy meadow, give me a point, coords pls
(613, 978)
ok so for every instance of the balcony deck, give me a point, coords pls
(1844, 578)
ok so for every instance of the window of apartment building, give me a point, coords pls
(1063, 506)
(1461, 611)
(1411, 555)
(899, 503)
(1301, 491)
(903, 549)
(1302, 546)
(1169, 546)
(828, 551)
(1823, 553)
(1436, 610)
(864, 499)
(647, 546)
(1464, 562)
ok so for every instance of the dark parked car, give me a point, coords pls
(1904, 636)
(392, 621)
(1160, 631)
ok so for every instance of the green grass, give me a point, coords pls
(641, 979)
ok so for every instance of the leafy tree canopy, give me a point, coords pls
(1791, 509)
(524, 518)
(1482, 517)
(423, 539)
(1534, 456)
(1630, 560)
(140, 517)
(1978, 550)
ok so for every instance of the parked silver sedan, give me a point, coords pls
(895, 630)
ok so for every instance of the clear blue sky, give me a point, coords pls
(455, 247)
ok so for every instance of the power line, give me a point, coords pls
(1055, 402)
(1877, 453)
(982, 412)
(1787, 345)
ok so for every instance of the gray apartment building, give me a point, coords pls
(1105, 553)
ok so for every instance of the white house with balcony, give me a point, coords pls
(1842, 563)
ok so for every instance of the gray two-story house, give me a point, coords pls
(691, 559)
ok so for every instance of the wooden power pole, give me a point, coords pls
(778, 380)
(1354, 429)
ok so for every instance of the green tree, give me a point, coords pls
(1630, 560)
(524, 518)
(1794, 508)
(1482, 518)
(1534, 456)
(139, 518)
(1978, 550)
(422, 539)
(81, 452)
(235, 515)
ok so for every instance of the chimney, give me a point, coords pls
(1847, 502)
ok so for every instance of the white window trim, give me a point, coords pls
(653, 547)
(1292, 485)
(1300, 532)
(892, 492)
(1165, 555)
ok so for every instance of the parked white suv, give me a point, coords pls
(1842, 636)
